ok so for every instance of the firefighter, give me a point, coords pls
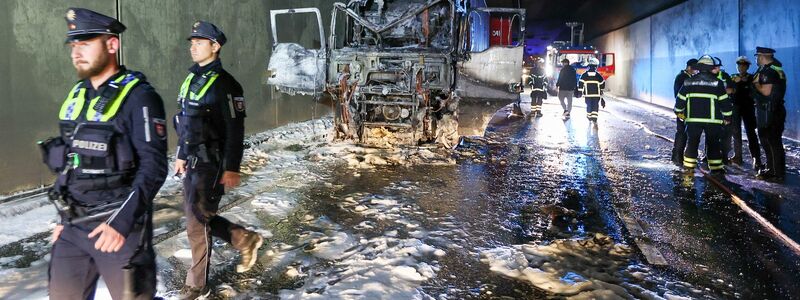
(744, 112)
(679, 146)
(704, 105)
(538, 88)
(769, 90)
(592, 85)
(111, 160)
(210, 126)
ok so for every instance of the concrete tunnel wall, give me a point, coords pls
(652, 51)
(37, 73)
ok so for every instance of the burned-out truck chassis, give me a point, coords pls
(391, 71)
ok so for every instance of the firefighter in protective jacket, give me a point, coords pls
(704, 106)
(592, 85)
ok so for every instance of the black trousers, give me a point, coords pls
(771, 138)
(202, 193)
(714, 134)
(745, 114)
(679, 146)
(75, 266)
(592, 107)
(537, 97)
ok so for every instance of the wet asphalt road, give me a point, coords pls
(496, 200)
(497, 195)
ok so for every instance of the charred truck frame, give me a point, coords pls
(391, 71)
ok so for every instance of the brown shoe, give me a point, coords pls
(194, 293)
(250, 252)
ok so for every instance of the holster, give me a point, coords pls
(764, 111)
(140, 274)
(54, 153)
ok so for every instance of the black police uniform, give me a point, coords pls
(706, 105)
(744, 112)
(771, 115)
(210, 126)
(728, 129)
(679, 146)
(592, 85)
(111, 161)
(538, 90)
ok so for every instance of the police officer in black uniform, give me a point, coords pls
(679, 146)
(538, 88)
(729, 89)
(768, 93)
(744, 112)
(210, 126)
(699, 95)
(111, 161)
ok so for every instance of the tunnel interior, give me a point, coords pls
(651, 41)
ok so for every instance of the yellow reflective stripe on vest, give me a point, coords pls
(113, 106)
(73, 105)
(702, 120)
(703, 95)
(192, 96)
(779, 70)
(712, 100)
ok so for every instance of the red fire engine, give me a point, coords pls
(578, 57)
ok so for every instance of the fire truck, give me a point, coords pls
(578, 56)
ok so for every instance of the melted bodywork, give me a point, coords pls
(390, 67)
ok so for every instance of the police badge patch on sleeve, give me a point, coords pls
(238, 104)
(160, 126)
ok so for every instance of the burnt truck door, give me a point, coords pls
(292, 68)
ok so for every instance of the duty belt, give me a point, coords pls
(204, 155)
(75, 213)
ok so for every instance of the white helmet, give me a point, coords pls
(593, 61)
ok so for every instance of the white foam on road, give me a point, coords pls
(23, 218)
(588, 268)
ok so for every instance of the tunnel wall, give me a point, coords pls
(37, 72)
(652, 51)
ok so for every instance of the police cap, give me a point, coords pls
(84, 24)
(764, 51)
(742, 60)
(206, 30)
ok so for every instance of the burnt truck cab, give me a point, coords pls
(389, 67)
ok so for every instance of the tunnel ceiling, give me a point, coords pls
(546, 19)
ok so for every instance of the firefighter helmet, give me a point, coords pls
(705, 63)
(593, 61)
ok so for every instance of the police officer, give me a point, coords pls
(592, 85)
(769, 90)
(538, 88)
(729, 89)
(210, 125)
(744, 112)
(704, 106)
(111, 161)
(679, 146)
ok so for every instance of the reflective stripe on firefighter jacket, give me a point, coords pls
(538, 80)
(592, 83)
(703, 100)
